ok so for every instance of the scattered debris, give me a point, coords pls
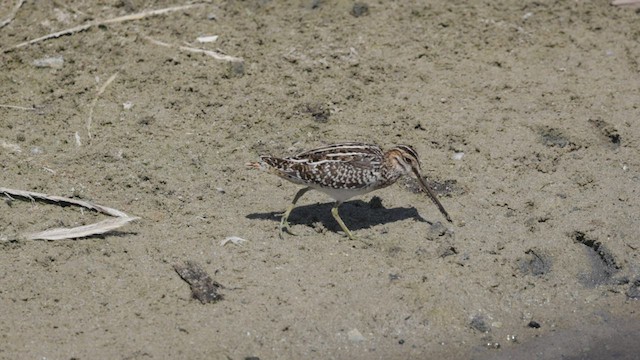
(232, 239)
(95, 101)
(355, 335)
(203, 288)
(626, 3)
(17, 107)
(213, 54)
(98, 228)
(77, 232)
(207, 39)
(54, 62)
(87, 26)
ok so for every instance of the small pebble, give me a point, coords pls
(359, 9)
(533, 324)
(207, 39)
(54, 62)
(479, 323)
(355, 335)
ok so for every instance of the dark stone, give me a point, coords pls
(359, 9)
(479, 323)
(533, 324)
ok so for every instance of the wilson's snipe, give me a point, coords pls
(343, 171)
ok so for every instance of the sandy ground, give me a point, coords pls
(525, 115)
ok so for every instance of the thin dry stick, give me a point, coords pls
(16, 107)
(12, 14)
(213, 54)
(63, 200)
(101, 227)
(95, 101)
(80, 231)
(86, 26)
(626, 2)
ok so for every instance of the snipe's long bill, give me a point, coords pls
(343, 171)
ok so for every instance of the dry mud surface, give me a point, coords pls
(525, 115)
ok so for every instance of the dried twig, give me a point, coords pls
(17, 107)
(63, 200)
(213, 54)
(235, 240)
(86, 26)
(77, 232)
(81, 231)
(95, 100)
(626, 2)
(12, 14)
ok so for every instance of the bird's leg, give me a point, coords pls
(284, 224)
(334, 212)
